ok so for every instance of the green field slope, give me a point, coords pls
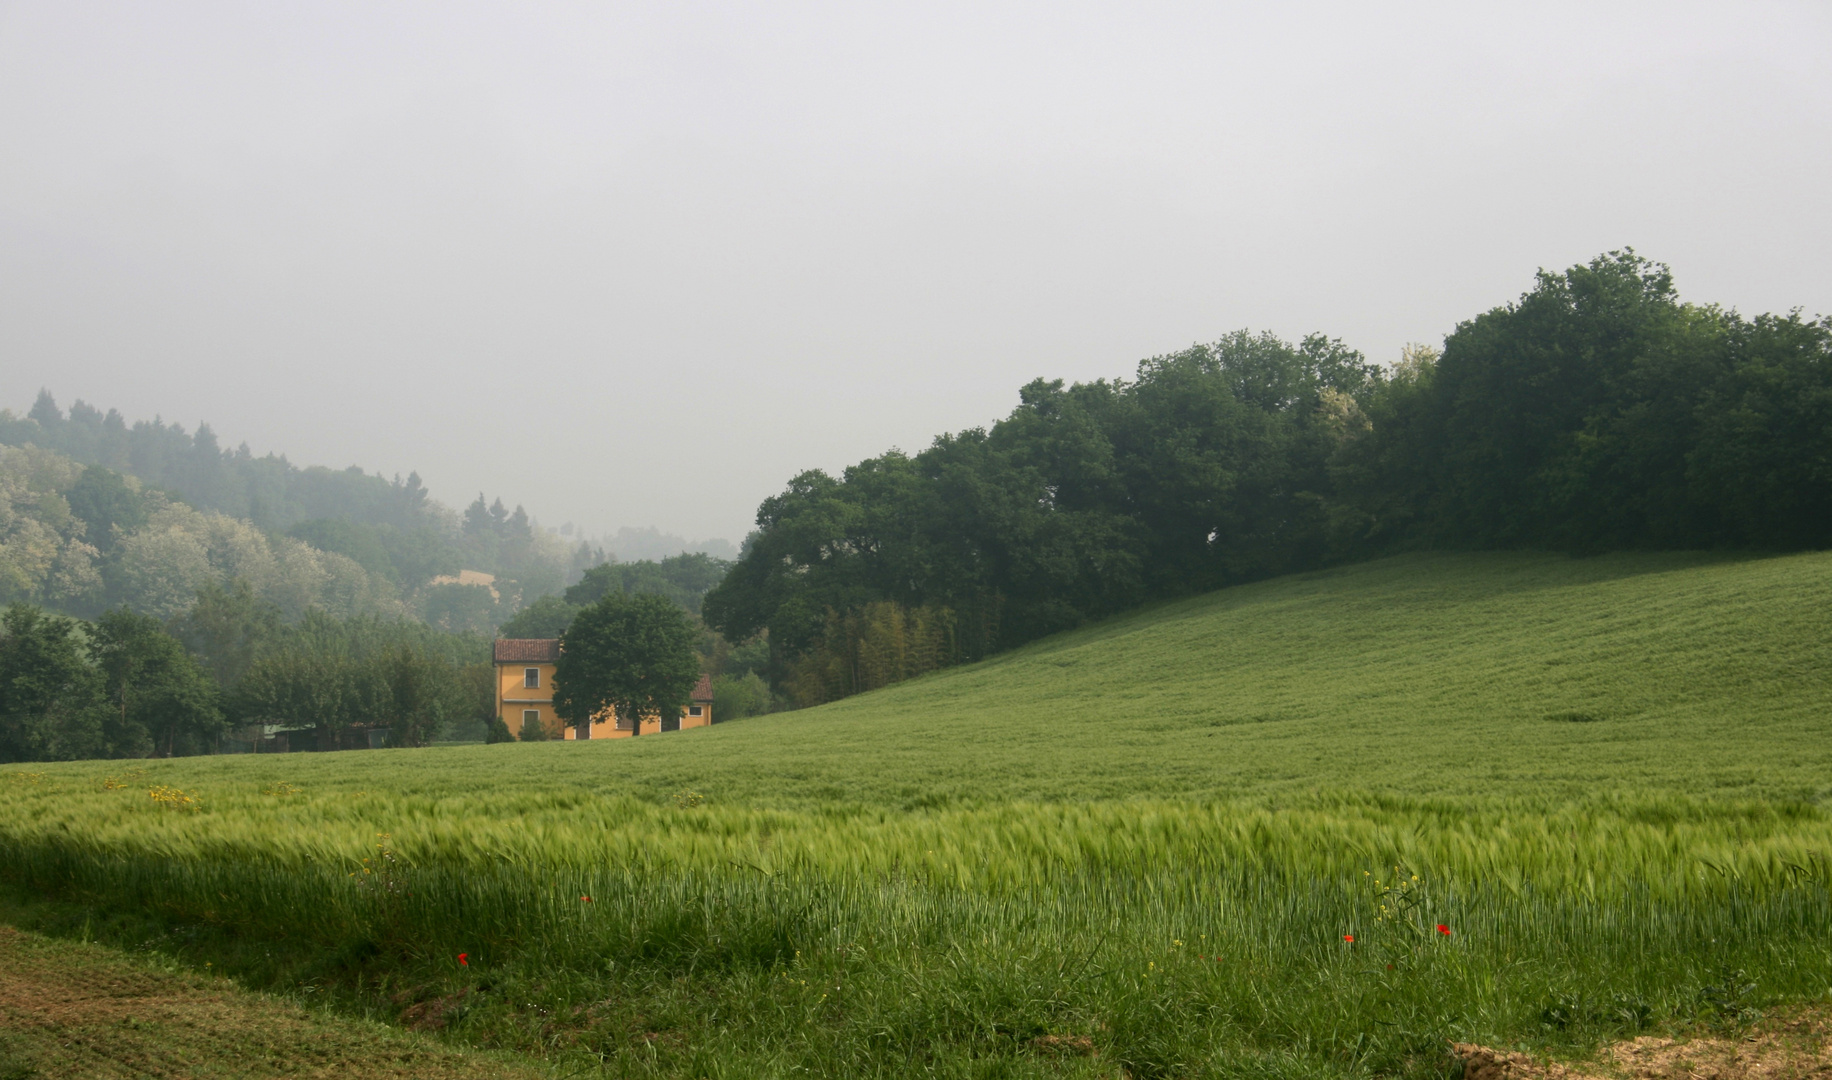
(1320, 826)
(1476, 674)
(1455, 675)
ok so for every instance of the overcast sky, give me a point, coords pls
(639, 264)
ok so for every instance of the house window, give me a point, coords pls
(531, 716)
(693, 710)
(531, 678)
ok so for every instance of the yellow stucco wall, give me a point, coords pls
(513, 699)
(651, 725)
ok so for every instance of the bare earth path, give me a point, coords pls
(1795, 1047)
(77, 1011)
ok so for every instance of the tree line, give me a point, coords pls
(268, 491)
(97, 512)
(1598, 412)
(127, 684)
(82, 539)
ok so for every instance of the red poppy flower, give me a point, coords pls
(1442, 929)
(587, 899)
(1350, 938)
(462, 960)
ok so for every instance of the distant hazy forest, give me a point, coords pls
(1599, 412)
(150, 512)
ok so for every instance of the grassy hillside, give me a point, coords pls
(1551, 802)
(1476, 674)
(1441, 675)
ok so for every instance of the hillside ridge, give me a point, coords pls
(1397, 674)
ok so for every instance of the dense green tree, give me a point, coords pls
(736, 697)
(1563, 419)
(405, 556)
(630, 654)
(304, 684)
(684, 579)
(1381, 466)
(1762, 463)
(52, 698)
(459, 609)
(159, 697)
(109, 507)
(44, 409)
(329, 674)
(477, 521)
(547, 617)
(876, 645)
(360, 542)
(476, 694)
(421, 552)
(225, 628)
(413, 691)
(1212, 466)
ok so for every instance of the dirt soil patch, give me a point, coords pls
(82, 1011)
(1796, 1047)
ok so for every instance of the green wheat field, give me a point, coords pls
(1316, 827)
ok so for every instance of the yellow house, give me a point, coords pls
(524, 693)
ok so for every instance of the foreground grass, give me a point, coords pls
(1142, 846)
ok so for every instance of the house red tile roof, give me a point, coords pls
(702, 690)
(528, 650)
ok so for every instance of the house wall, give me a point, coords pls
(512, 698)
(602, 728)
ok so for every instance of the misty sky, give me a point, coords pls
(638, 264)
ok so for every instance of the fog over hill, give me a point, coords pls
(629, 545)
(638, 264)
(270, 490)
